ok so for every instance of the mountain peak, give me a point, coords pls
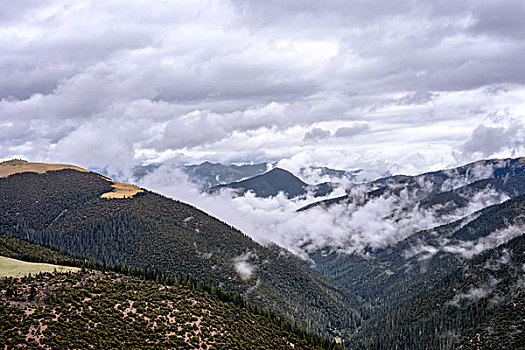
(280, 172)
(270, 184)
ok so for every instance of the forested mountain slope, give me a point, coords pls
(478, 304)
(64, 209)
(438, 287)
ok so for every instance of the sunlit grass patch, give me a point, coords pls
(122, 190)
(18, 268)
(16, 166)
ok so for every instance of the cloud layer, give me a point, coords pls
(404, 86)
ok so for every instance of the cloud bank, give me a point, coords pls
(346, 228)
(340, 84)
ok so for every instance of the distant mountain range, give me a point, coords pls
(208, 175)
(438, 187)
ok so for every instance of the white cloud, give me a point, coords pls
(243, 267)
(243, 81)
(472, 295)
(350, 227)
(469, 249)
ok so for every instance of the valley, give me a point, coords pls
(439, 287)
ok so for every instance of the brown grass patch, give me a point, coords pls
(122, 190)
(19, 268)
(16, 166)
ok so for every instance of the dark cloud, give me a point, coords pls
(486, 140)
(316, 134)
(12, 11)
(503, 19)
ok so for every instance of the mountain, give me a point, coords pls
(208, 174)
(90, 216)
(103, 309)
(494, 171)
(336, 175)
(268, 184)
(275, 181)
(437, 287)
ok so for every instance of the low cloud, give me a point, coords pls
(469, 249)
(346, 227)
(351, 131)
(243, 267)
(478, 171)
(317, 134)
(472, 295)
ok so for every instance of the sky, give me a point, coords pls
(404, 86)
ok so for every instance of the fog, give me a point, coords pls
(346, 228)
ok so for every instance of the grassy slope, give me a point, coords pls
(18, 268)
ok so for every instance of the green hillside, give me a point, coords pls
(179, 313)
(63, 209)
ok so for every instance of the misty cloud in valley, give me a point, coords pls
(344, 228)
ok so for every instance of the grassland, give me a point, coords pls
(17, 268)
(16, 166)
(122, 190)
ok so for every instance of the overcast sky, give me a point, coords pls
(404, 86)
